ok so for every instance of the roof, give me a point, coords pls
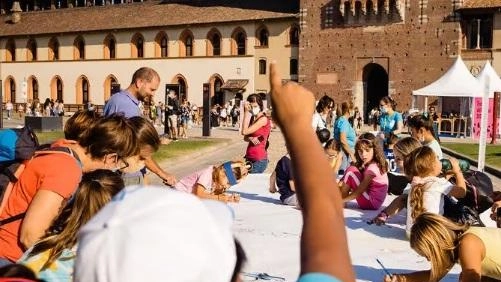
(147, 14)
(235, 84)
(456, 82)
(480, 4)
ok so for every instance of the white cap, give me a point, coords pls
(157, 234)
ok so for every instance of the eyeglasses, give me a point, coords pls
(121, 163)
(382, 105)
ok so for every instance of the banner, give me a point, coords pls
(477, 116)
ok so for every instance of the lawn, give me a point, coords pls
(172, 150)
(492, 152)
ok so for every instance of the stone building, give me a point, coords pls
(364, 50)
(80, 54)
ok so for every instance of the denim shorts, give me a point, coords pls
(258, 166)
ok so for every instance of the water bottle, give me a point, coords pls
(464, 165)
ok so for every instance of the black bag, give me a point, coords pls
(460, 213)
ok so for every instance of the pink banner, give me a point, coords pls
(477, 117)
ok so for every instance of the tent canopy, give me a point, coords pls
(494, 81)
(456, 82)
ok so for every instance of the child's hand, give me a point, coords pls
(388, 279)
(455, 165)
(293, 104)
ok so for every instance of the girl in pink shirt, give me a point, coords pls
(366, 181)
(213, 181)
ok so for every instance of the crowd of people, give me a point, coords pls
(99, 221)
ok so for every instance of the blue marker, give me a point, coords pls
(384, 269)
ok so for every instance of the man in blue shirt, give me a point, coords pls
(145, 82)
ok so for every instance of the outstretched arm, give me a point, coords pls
(324, 246)
(167, 178)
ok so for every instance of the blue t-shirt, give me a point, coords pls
(283, 172)
(317, 277)
(389, 123)
(122, 102)
(342, 125)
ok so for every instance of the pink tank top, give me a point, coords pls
(258, 152)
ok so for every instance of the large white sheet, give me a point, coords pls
(270, 231)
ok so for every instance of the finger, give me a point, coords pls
(275, 78)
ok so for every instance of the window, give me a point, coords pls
(12, 90)
(262, 66)
(59, 88)
(85, 91)
(293, 67)
(53, 49)
(34, 87)
(10, 51)
(294, 35)
(110, 47)
(262, 36)
(79, 49)
(161, 45)
(238, 40)
(137, 43)
(31, 50)
(214, 43)
(478, 31)
(189, 46)
(186, 44)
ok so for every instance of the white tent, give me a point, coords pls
(488, 72)
(456, 82)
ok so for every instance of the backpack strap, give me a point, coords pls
(8, 189)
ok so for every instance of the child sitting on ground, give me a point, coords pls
(428, 190)
(366, 181)
(213, 181)
(332, 149)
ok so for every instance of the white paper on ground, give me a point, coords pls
(270, 232)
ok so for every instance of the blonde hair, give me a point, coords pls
(406, 145)
(419, 163)
(436, 238)
(238, 168)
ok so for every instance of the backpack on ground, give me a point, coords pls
(477, 200)
(17, 147)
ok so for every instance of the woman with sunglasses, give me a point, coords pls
(50, 179)
(321, 114)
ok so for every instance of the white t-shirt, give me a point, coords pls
(435, 146)
(433, 198)
(318, 122)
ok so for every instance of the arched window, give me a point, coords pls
(186, 44)
(137, 46)
(183, 93)
(262, 36)
(10, 51)
(239, 40)
(10, 90)
(31, 50)
(79, 49)
(32, 88)
(161, 45)
(214, 43)
(110, 47)
(294, 68)
(85, 90)
(110, 85)
(56, 88)
(294, 35)
(53, 49)
(262, 66)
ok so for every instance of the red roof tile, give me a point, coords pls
(475, 4)
(127, 16)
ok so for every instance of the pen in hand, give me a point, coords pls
(385, 269)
